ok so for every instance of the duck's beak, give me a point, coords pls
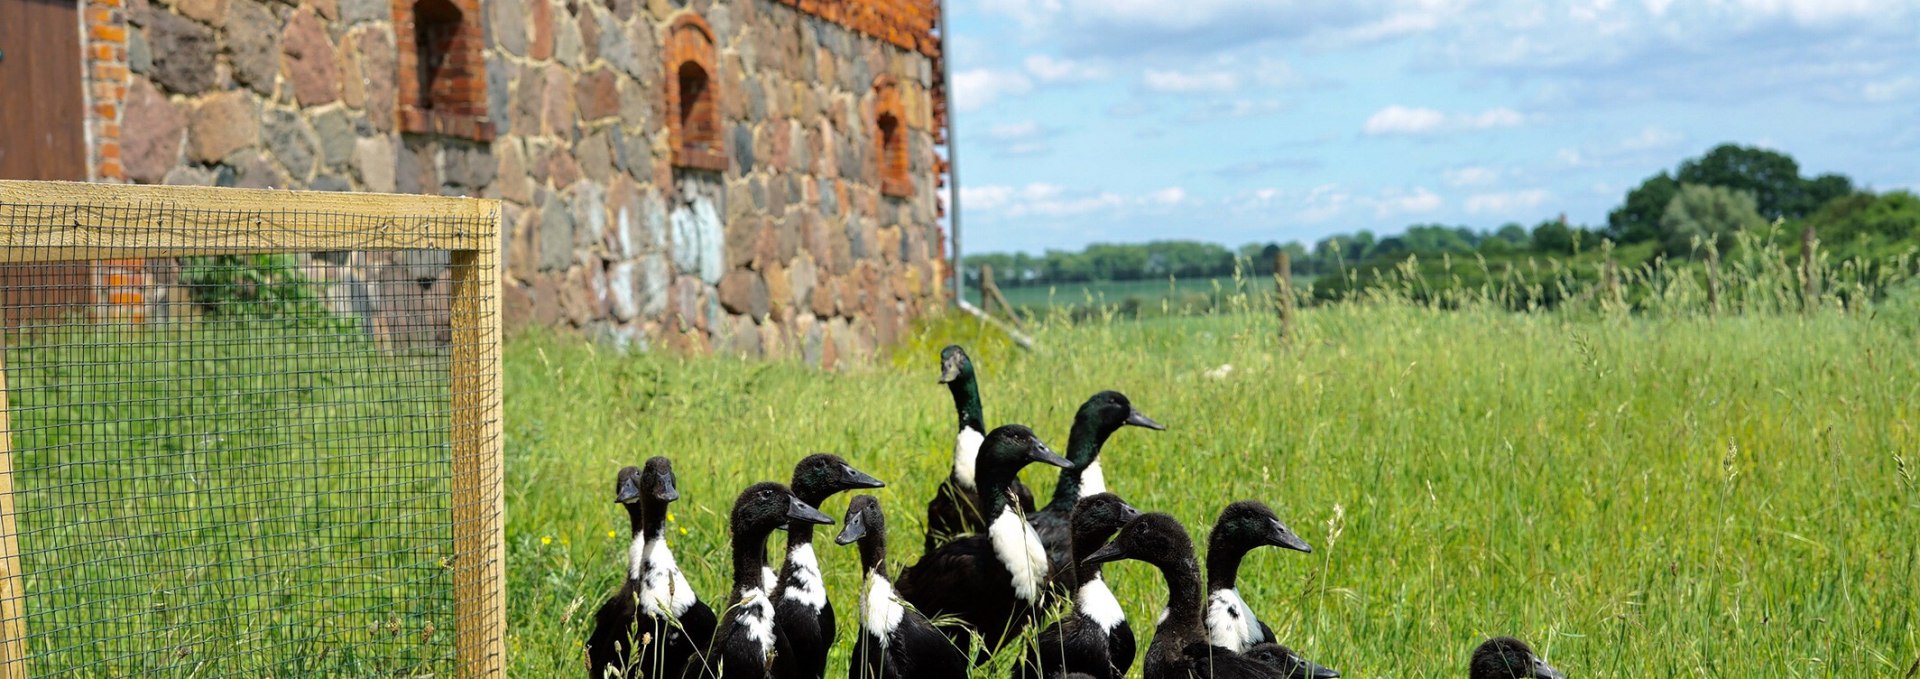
(668, 490)
(1110, 553)
(856, 529)
(1128, 513)
(1313, 670)
(854, 478)
(1136, 418)
(801, 511)
(1541, 670)
(1041, 453)
(1279, 535)
(629, 491)
(950, 369)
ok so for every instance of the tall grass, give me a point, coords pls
(1657, 493)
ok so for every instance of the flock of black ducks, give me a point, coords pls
(993, 565)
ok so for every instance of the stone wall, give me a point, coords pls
(783, 243)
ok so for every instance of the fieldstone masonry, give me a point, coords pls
(774, 238)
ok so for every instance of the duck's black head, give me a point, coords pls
(1097, 517)
(1154, 537)
(820, 475)
(764, 507)
(1247, 524)
(652, 483)
(1290, 664)
(1006, 450)
(955, 364)
(1509, 658)
(1108, 411)
(864, 521)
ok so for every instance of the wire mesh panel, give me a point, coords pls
(248, 434)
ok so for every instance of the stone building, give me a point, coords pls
(759, 176)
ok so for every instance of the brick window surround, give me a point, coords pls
(442, 74)
(693, 99)
(890, 139)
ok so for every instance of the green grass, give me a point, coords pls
(1149, 295)
(1637, 496)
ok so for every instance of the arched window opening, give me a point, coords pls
(693, 126)
(436, 27)
(890, 140)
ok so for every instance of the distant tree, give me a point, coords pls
(1707, 214)
(1770, 177)
(1824, 189)
(1514, 234)
(1554, 237)
(1638, 219)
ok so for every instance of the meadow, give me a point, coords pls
(1636, 494)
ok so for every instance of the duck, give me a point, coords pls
(995, 581)
(956, 509)
(1242, 527)
(803, 615)
(1095, 639)
(1179, 649)
(894, 641)
(1509, 658)
(655, 601)
(1096, 421)
(746, 640)
(1290, 664)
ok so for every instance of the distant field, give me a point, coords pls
(1178, 296)
(1638, 496)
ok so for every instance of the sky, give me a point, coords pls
(1238, 121)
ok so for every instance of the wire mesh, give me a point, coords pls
(233, 464)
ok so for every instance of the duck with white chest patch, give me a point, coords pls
(1095, 639)
(1243, 526)
(803, 616)
(957, 509)
(994, 582)
(747, 642)
(1095, 422)
(894, 641)
(655, 610)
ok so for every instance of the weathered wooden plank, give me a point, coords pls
(479, 502)
(70, 221)
(13, 613)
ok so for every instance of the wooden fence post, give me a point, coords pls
(13, 611)
(1283, 291)
(1809, 279)
(479, 503)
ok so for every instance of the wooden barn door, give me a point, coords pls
(42, 136)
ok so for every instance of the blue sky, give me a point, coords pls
(1272, 120)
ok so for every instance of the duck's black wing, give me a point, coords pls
(1120, 648)
(807, 636)
(687, 642)
(953, 513)
(1024, 494)
(962, 578)
(1207, 661)
(1074, 644)
(1056, 534)
(613, 631)
(923, 652)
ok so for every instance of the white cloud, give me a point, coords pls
(1048, 69)
(987, 198)
(1652, 144)
(1025, 129)
(973, 89)
(1506, 202)
(1471, 175)
(1040, 199)
(1397, 119)
(1890, 90)
(1172, 195)
(1329, 201)
(1178, 82)
(1418, 201)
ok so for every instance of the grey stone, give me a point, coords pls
(623, 289)
(509, 21)
(757, 189)
(756, 99)
(253, 37)
(362, 11)
(373, 157)
(336, 133)
(742, 147)
(254, 171)
(801, 277)
(617, 140)
(139, 56)
(797, 146)
(566, 41)
(191, 176)
(499, 86)
(699, 239)
(720, 19)
(183, 52)
(589, 207)
(409, 170)
(290, 140)
(595, 156)
(810, 351)
(468, 165)
(652, 284)
(829, 201)
(614, 46)
(555, 236)
(151, 131)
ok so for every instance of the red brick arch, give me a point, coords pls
(890, 138)
(693, 95)
(442, 66)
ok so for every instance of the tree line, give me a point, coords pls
(1701, 205)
